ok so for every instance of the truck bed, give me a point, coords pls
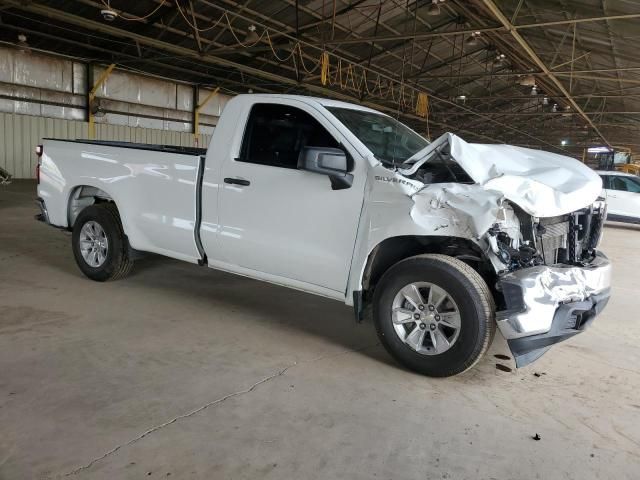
(139, 146)
(156, 189)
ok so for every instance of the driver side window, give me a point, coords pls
(276, 134)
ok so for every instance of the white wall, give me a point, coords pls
(19, 135)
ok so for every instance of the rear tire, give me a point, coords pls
(99, 244)
(431, 338)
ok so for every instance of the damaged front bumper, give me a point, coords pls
(548, 304)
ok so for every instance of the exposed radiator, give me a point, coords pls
(568, 239)
(553, 236)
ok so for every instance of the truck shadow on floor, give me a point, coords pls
(273, 305)
(256, 301)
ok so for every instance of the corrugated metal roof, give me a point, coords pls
(479, 88)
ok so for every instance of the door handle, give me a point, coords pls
(237, 181)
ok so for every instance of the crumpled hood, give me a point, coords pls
(543, 184)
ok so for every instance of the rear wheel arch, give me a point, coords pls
(82, 196)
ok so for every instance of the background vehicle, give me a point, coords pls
(342, 201)
(622, 191)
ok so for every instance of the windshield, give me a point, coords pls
(390, 141)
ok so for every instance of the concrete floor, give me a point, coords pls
(183, 372)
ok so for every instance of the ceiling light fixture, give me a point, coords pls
(252, 37)
(564, 142)
(545, 100)
(534, 90)
(434, 9)
(108, 15)
(528, 81)
(23, 46)
(501, 60)
(599, 150)
(472, 41)
(97, 110)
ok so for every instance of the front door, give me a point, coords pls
(278, 220)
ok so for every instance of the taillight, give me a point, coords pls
(39, 150)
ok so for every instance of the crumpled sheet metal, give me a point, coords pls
(456, 209)
(543, 184)
(545, 288)
(399, 206)
(441, 209)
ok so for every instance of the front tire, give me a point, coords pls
(99, 243)
(434, 314)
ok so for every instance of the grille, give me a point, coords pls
(553, 238)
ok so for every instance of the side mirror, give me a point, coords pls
(332, 162)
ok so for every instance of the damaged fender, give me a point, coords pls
(399, 206)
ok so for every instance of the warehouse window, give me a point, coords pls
(276, 134)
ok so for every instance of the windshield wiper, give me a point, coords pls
(387, 162)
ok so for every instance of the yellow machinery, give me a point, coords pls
(632, 168)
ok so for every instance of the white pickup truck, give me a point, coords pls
(444, 240)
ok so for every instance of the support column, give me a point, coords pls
(194, 117)
(92, 95)
(88, 85)
(198, 107)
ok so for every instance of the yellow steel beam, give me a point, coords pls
(101, 80)
(92, 96)
(196, 112)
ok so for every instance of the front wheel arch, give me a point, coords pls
(395, 249)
